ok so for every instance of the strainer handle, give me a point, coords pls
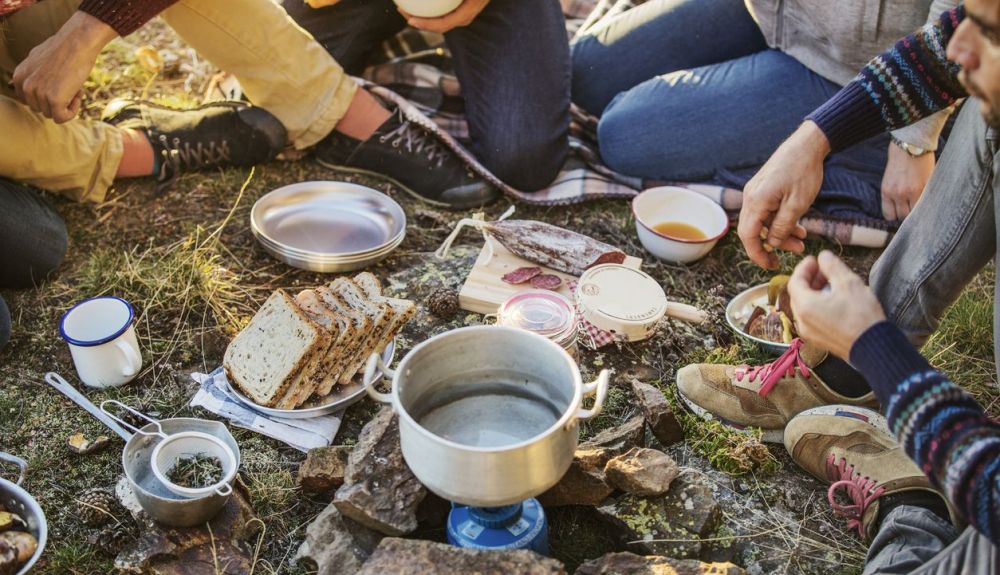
(225, 490)
(600, 387)
(139, 414)
(16, 461)
(375, 362)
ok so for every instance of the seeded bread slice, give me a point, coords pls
(362, 325)
(403, 309)
(312, 375)
(380, 314)
(264, 359)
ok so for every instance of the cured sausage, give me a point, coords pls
(546, 281)
(521, 275)
(552, 246)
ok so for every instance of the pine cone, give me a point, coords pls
(442, 302)
(96, 507)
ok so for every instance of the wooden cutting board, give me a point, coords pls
(484, 291)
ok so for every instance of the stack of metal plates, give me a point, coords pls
(328, 226)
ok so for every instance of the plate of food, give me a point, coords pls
(301, 356)
(763, 314)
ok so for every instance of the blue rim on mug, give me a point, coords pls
(103, 340)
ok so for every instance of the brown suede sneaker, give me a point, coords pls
(767, 396)
(851, 448)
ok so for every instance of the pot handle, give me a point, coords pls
(375, 362)
(599, 386)
(16, 461)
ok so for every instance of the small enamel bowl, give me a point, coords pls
(669, 204)
(428, 8)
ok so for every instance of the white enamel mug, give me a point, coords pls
(101, 338)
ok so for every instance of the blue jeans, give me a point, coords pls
(513, 65)
(33, 242)
(687, 90)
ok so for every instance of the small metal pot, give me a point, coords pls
(159, 502)
(154, 497)
(509, 379)
(17, 500)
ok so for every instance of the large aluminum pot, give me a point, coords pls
(17, 500)
(488, 415)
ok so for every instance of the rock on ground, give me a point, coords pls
(379, 491)
(658, 413)
(416, 557)
(225, 543)
(687, 513)
(620, 439)
(584, 482)
(642, 471)
(632, 564)
(324, 468)
(336, 544)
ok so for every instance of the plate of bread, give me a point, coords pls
(302, 356)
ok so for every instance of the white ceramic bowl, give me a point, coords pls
(427, 8)
(669, 204)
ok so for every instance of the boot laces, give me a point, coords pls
(772, 373)
(416, 140)
(860, 490)
(179, 156)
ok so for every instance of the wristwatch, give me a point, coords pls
(910, 149)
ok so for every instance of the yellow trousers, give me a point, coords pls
(280, 68)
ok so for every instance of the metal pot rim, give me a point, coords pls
(564, 421)
(43, 526)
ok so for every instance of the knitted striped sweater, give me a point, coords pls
(939, 425)
(910, 81)
(125, 16)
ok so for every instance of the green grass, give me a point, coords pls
(962, 346)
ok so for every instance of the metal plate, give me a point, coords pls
(327, 219)
(328, 265)
(342, 397)
(738, 312)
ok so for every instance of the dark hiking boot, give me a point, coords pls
(214, 135)
(412, 158)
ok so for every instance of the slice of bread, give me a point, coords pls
(362, 326)
(403, 309)
(264, 359)
(380, 314)
(311, 375)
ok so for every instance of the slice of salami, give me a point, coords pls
(521, 275)
(552, 246)
(546, 281)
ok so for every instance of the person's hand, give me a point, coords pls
(832, 306)
(780, 193)
(457, 18)
(50, 79)
(904, 180)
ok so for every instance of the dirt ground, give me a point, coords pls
(188, 261)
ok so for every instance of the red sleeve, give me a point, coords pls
(125, 16)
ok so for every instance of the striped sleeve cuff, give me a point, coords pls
(886, 359)
(125, 16)
(849, 117)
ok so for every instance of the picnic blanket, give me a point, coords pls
(216, 396)
(414, 72)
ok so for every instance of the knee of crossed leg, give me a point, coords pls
(33, 236)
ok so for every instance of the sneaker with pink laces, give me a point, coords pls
(766, 396)
(851, 448)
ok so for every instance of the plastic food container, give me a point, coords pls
(621, 300)
(544, 312)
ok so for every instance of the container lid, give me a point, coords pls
(541, 311)
(620, 299)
